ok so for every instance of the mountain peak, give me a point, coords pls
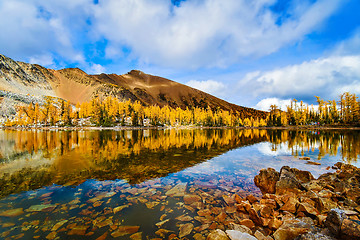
(75, 85)
(135, 72)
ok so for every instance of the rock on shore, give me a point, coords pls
(295, 205)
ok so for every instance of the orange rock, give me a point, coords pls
(86, 212)
(266, 180)
(172, 236)
(216, 210)
(275, 223)
(185, 229)
(204, 212)
(230, 209)
(292, 228)
(124, 230)
(102, 237)
(45, 195)
(97, 203)
(202, 220)
(189, 199)
(21, 235)
(162, 232)
(240, 207)
(266, 211)
(290, 205)
(202, 227)
(119, 208)
(237, 198)
(136, 236)
(213, 226)
(163, 217)
(78, 230)
(228, 199)
(107, 222)
(269, 202)
(51, 235)
(217, 235)
(307, 208)
(8, 225)
(255, 217)
(248, 223)
(221, 217)
(12, 212)
(58, 225)
(251, 199)
(265, 221)
(198, 236)
(184, 218)
(269, 196)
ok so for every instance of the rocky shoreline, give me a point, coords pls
(295, 205)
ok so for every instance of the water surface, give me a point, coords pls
(145, 184)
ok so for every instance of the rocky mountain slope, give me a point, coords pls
(25, 82)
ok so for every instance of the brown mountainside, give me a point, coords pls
(75, 85)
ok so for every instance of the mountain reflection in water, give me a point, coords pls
(32, 159)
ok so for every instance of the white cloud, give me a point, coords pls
(204, 33)
(349, 46)
(325, 77)
(44, 60)
(95, 69)
(209, 86)
(267, 102)
(195, 34)
(34, 30)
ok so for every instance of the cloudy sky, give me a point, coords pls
(251, 53)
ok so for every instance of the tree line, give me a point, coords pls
(344, 111)
(111, 111)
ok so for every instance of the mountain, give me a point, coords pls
(25, 82)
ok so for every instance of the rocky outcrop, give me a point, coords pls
(266, 180)
(341, 226)
(295, 205)
(307, 208)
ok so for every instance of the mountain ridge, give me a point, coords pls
(75, 85)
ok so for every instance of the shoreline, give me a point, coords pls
(118, 128)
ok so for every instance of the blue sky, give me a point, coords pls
(251, 53)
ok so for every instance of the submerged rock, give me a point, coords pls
(78, 230)
(12, 212)
(185, 229)
(177, 191)
(43, 207)
(124, 230)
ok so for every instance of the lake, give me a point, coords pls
(145, 184)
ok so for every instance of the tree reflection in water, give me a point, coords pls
(32, 159)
